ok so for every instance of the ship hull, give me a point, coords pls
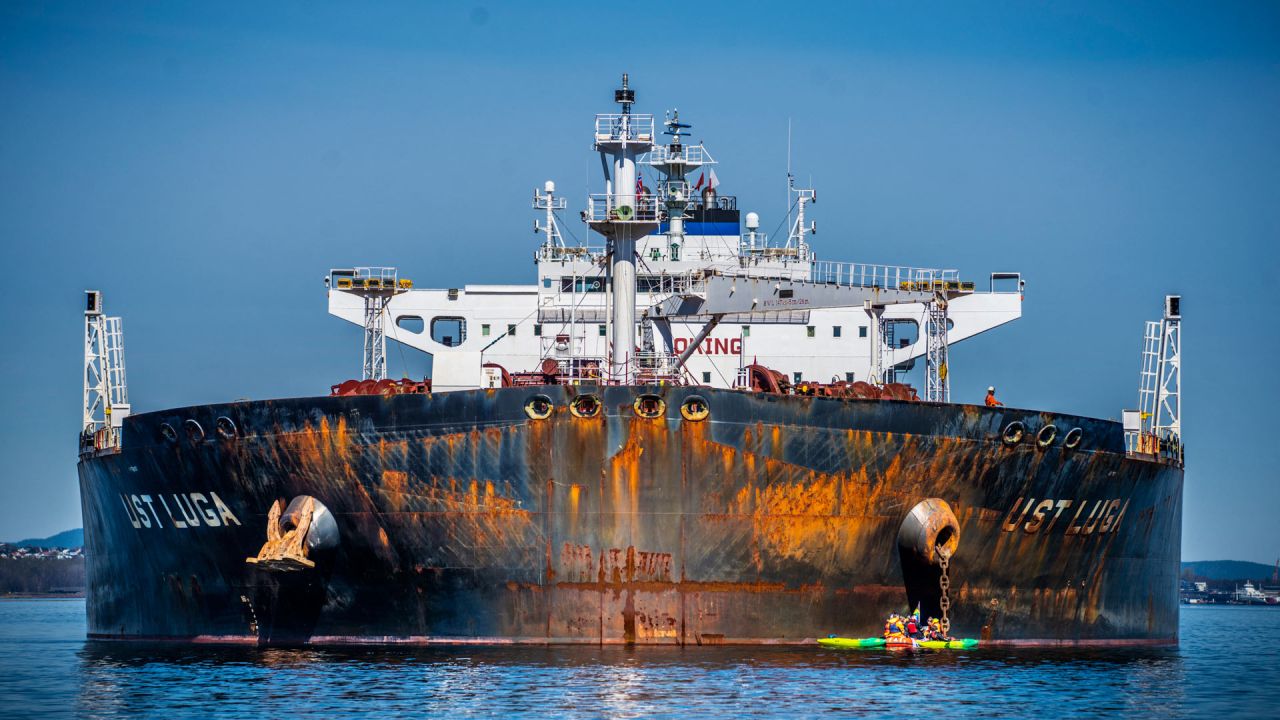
(775, 519)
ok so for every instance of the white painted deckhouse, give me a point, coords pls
(677, 260)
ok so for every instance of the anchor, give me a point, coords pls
(294, 534)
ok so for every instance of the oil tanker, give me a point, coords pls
(690, 434)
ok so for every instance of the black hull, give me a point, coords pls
(777, 519)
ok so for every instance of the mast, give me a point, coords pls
(106, 394)
(547, 200)
(624, 214)
(1168, 411)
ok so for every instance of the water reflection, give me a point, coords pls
(118, 679)
(45, 663)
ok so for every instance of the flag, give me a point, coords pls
(713, 181)
(699, 185)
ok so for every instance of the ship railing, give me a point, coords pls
(378, 273)
(583, 369)
(697, 203)
(887, 277)
(754, 247)
(557, 252)
(655, 368)
(673, 283)
(690, 155)
(1006, 283)
(1164, 447)
(606, 207)
(616, 127)
(894, 277)
(369, 278)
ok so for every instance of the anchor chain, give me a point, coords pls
(944, 582)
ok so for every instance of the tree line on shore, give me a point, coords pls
(37, 575)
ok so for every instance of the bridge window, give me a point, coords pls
(835, 331)
(581, 284)
(746, 331)
(484, 330)
(412, 323)
(511, 330)
(862, 331)
(706, 377)
(449, 331)
(537, 330)
(809, 330)
(604, 330)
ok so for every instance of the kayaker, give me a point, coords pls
(913, 629)
(935, 630)
(894, 628)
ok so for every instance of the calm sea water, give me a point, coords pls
(1228, 665)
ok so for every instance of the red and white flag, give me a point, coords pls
(714, 181)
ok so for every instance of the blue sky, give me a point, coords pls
(204, 165)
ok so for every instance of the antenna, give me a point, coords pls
(547, 200)
(624, 96)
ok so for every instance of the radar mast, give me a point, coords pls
(624, 213)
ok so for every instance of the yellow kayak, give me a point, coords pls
(856, 643)
(957, 644)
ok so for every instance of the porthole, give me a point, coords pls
(1013, 433)
(585, 406)
(1073, 439)
(538, 407)
(226, 428)
(195, 433)
(1045, 437)
(695, 408)
(649, 406)
(167, 433)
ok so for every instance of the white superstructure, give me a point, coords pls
(664, 236)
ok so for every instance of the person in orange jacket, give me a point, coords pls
(991, 397)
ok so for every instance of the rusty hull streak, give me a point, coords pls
(775, 520)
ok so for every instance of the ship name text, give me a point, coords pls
(177, 510)
(710, 346)
(1082, 517)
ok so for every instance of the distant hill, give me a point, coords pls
(1230, 570)
(65, 539)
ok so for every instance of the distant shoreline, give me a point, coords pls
(43, 596)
